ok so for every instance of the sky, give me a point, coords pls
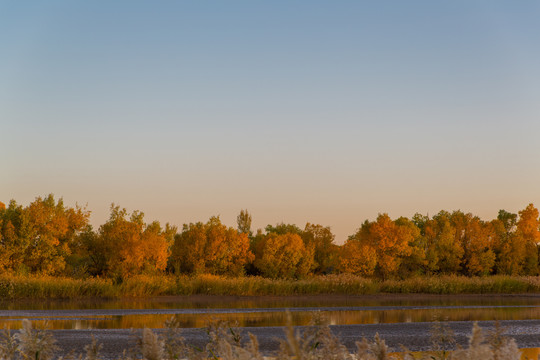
(328, 112)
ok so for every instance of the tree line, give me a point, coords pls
(48, 237)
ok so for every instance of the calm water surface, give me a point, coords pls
(267, 311)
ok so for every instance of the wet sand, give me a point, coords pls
(414, 336)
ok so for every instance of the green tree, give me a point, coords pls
(282, 229)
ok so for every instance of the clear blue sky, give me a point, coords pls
(300, 111)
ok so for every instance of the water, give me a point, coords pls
(197, 311)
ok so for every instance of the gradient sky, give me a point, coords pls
(326, 112)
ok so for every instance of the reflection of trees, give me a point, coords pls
(299, 318)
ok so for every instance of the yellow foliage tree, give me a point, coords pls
(390, 241)
(211, 248)
(509, 246)
(129, 246)
(357, 258)
(47, 230)
(282, 256)
(445, 250)
(529, 233)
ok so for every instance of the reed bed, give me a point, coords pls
(47, 287)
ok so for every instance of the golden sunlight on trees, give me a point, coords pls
(211, 248)
(390, 241)
(441, 235)
(357, 258)
(127, 246)
(47, 237)
(38, 238)
(509, 247)
(529, 234)
(282, 256)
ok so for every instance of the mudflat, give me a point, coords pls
(413, 336)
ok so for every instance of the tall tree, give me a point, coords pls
(441, 237)
(321, 240)
(244, 223)
(509, 247)
(282, 229)
(479, 237)
(528, 230)
(416, 262)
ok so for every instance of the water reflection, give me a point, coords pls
(277, 317)
(254, 302)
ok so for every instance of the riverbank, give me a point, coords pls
(46, 287)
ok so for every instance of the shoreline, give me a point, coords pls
(48, 287)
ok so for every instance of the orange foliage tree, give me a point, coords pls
(390, 241)
(127, 246)
(211, 248)
(282, 255)
(529, 233)
(357, 258)
(39, 237)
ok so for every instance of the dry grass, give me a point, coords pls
(38, 287)
(316, 342)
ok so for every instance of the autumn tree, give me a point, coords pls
(357, 258)
(510, 249)
(244, 223)
(442, 244)
(211, 248)
(428, 242)
(126, 246)
(321, 240)
(282, 256)
(13, 246)
(415, 263)
(40, 236)
(390, 241)
(478, 243)
(529, 233)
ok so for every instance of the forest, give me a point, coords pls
(47, 237)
